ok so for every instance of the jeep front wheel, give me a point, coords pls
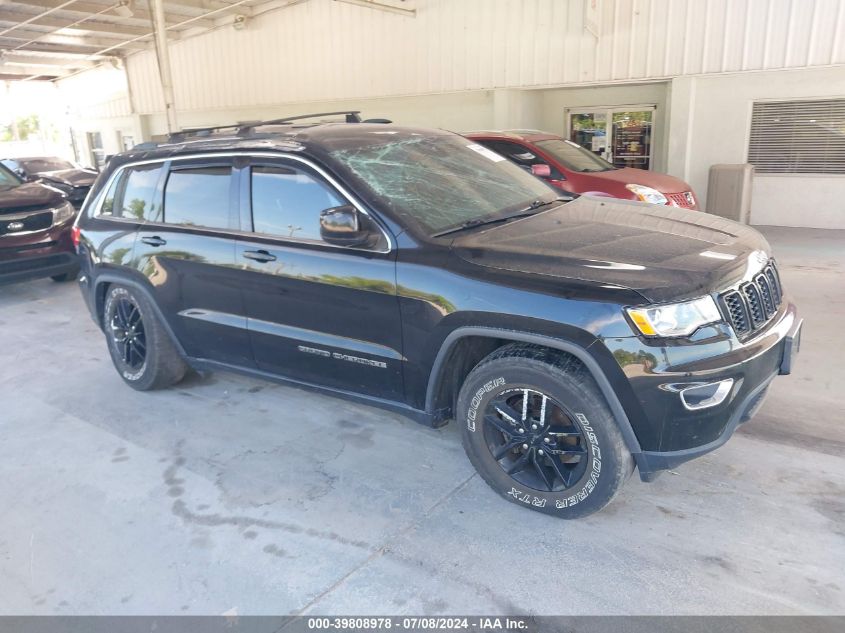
(538, 430)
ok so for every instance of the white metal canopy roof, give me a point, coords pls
(50, 39)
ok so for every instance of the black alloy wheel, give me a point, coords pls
(128, 335)
(534, 440)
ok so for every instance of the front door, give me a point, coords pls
(622, 136)
(318, 313)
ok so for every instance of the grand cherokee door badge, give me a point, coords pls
(339, 356)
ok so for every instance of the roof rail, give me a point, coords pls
(244, 128)
(352, 116)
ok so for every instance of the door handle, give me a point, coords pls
(155, 240)
(259, 256)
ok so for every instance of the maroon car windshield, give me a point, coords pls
(8, 179)
(573, 156)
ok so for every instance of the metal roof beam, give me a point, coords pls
(25, 36)
(49, 54)
(43, 62)
(80, 9)
(90, 26)
(201, 5)
(29, 71)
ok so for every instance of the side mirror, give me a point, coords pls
(342, 226)
(541, 171)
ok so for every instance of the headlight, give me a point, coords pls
(675, 319)
(63, 213)
(647, 194)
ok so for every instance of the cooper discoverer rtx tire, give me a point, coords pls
(538, 430)
(140, 347)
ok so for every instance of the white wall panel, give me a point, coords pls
(711, 124)
(324, 50)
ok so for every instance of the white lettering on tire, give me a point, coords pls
(595, 471)
(527, 498)
(472, 412)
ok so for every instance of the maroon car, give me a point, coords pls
(36, 226)
(570, 167)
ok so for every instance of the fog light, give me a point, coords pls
(701, 396)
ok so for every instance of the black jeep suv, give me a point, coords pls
(572, 339)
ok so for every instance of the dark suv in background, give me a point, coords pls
(70, 179)
(416, 270)
(36, 225)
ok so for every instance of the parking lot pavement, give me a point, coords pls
(234, 494)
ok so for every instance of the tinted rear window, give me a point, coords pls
(138, 195)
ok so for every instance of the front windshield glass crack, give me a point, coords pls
(440, 181)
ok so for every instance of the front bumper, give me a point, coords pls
(38, 254)
(669, 432)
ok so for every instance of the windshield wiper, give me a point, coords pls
(536, 205)
(531, 209)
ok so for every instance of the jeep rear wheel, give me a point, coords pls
(538, 430)
(140, 347)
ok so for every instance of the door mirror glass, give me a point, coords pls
(342, 226)
(541, 171)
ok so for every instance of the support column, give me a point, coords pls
(680, 127)
(163, 58)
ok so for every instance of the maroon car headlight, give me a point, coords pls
(647, 194)
(63, 213)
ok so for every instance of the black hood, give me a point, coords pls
(72, 177)
(663, 253)
(30, 196)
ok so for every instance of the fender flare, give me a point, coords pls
(576, 350)
(137, 286)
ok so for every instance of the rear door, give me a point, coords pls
(318, 313)
(186, 250)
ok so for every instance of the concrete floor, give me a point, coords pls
(234, 494)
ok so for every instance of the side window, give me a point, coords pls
(287, 202)
(137, 200)
(107, 208)
(198, 196)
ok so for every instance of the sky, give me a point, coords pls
(22, 98)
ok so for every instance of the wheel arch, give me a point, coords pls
(442, 382)
(105, 280)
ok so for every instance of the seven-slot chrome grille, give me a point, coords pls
(750, 306)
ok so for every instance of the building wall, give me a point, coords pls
(452, 111)
(711, 123)
(320, 50)
(474, 64)
(100, 101)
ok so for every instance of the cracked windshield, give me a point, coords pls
(441, 182)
